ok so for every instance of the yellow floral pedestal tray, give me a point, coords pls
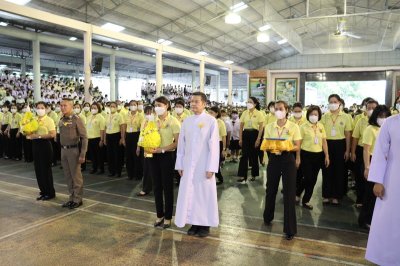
(275, 145)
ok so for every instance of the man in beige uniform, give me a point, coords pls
(74, 142)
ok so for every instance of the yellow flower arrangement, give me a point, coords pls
(149, 138)
(28, 124)
(276, 145)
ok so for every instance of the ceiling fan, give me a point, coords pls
(341, 32)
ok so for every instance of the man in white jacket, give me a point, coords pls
(197, 162)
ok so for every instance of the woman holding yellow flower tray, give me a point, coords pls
(285, 137)
(163, 162)
(43, 152)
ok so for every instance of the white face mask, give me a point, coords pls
(140, 107)
(280, 114)
(380, 121)
(364, 108)
(94, 111)
(369, 113)
(58, 109)
(113, 109)
(234, 116)
(119, 107)
(150, 117)
(77, 111)
(250, 106)
(298, 114)
(159, 110)
(40, 112)
(86, 108)
(23, 110)
(313, 119)
(133, 107)
(333, 106)
(179, 110)
(398, 106)
(27, 109)
(4, 109)
(272, 110)
(13, 110)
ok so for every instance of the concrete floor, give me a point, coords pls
(114, 227)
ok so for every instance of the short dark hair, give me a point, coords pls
(163, 100)
(372, 101)
(314, 108)
(395, 101)
(271, 103)
(98, 106)
(335, 96)
(378, 111)
(180, 102)
(42, 103)
(285, 104)
(366, 100)
(297, 104)
(148, 108)
(201, 94)
(216, 110)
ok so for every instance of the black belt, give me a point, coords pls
(250, 129)
(65, 147)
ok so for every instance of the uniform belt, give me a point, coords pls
(65, 147)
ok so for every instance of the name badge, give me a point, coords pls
(109, 126)
(131, 129)
(333, 132)
(250, 123)
(316, 140)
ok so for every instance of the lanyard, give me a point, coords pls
(132, 118)
(334, 121)
(280, 133)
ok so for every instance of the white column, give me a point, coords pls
(36, 70)
(23, 68)
(112, 77)
(218, 87)
(87, 61)
(202, 75)
(159, 72)
(193, 79)
(230, 86)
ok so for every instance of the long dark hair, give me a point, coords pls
(378, 111)
(256, 102)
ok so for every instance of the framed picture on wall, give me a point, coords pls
(257, 89)
(286, 90)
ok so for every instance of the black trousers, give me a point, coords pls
(162, 173)
(4, 140)
(311, 163)
(282, 165)
(249, 154)
(114, 153)
(367, 210)
(97, 155)
(15, 145)
(27, 148)
(147, 179)
(359, 174)
(219, 174)
(42, 158)
(333, 176)
(56, 150)
(133, 164)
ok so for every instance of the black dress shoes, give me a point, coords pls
(193, 230)
(40, 197)
(203, 231)
(111, 175)
(289, 237)
(158, 222)
(92, 172)
(46, 197)
(75, 205)
(67, 204)
(167, 225)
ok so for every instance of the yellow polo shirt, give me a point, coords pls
(358, 131)
(252, 120)
(221, 129)
(82, 117)
(180, 117)
(313, 136)
(15, 120)
(168, 128)
(299, 122)
(358, 117)
(113, 123)
(269, 118)
(336, 125)
(290, 131)
(95, 124)
(133, 122)
(46, 124)
(369, 137)
(6, 118)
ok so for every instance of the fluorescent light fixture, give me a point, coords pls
(265, 27)
(112, 27)
(73, 39)
(282, 41)
(238, 7)
(3, 24)
(3, 66)
(203, 53)
(228, 62)
(262, 37)
(164, 42)
(232, 18)
(19, 2)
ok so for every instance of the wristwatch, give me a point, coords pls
(40, 137)
(163, 151)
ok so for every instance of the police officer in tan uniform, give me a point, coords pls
(74, 142)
